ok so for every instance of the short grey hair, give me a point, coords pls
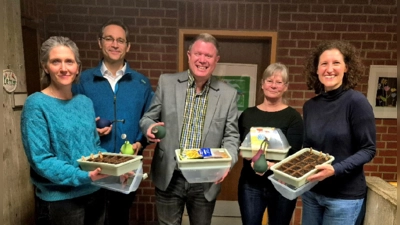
(206, 37)
(276, 67)
(45, 49)
(269, 72)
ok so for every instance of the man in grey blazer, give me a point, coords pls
(197, 110)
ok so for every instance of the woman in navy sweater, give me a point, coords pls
(338, 121)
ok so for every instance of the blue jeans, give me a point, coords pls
(171, 202)
(321, 210)
(254, 200)
(85, 210)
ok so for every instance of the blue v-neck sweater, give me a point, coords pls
(55, 134)
(341, 123)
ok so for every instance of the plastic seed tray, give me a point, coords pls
(133, 162)
(113, 183)
(288, 191)
(278, 145)
(206, 169)
(295, 165)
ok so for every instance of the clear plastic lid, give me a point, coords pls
(276, 139)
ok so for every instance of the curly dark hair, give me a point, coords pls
(351, 59)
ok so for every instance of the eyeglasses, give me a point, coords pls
(277, 83)
(111, 40)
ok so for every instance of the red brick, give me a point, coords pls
(389, 137)
(328, 36)
(171, 13)
(370, 168)
(383, 2)
(385, 168)
(197, 14)
(74, 9)
(391, 145)
(317, 8)
(298, 94)
(388, 153)
(331, 9)
(389, 122)
(316, 26)
(378, 37)
(329, 18)
(169, 22)
(354, 36)
(354, 27)
(156, 40)
(101, 11)
(298, 52)
(286, 43)
(389, 177)
(169, 57)
(286, 60)
(381, 129)
(304, 17)
(380, 144)
(288, 8)
(303, 26)
(344, 8)
(377, 160)
(223, 15)
(391, 28)
(169, 4)
(390, 160)
(303, 35)
(152, 13)
(153, 30)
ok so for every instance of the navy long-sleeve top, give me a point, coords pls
(291, 125)
(341, 123)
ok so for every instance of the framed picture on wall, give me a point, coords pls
(382, 90)
(242, 77)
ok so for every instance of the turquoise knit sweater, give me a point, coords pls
(55, 134)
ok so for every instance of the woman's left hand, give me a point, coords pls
(324, 171)
(124, 177)
(269, 166)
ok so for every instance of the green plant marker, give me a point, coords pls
(260, 165)
(126, 148)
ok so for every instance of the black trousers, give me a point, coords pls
(118, 207)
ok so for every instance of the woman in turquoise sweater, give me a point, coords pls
(57, 129)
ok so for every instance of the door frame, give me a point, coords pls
(226, 34)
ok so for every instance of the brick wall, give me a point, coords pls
(368, 24)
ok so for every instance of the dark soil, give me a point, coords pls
(111, 159)
(302, 164)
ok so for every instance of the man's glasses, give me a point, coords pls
(111, 40)
(277, 83)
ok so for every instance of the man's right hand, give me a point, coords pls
(150, 136)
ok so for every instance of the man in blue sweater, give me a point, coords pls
(119, 94)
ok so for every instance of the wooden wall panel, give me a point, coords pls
(18, 197)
